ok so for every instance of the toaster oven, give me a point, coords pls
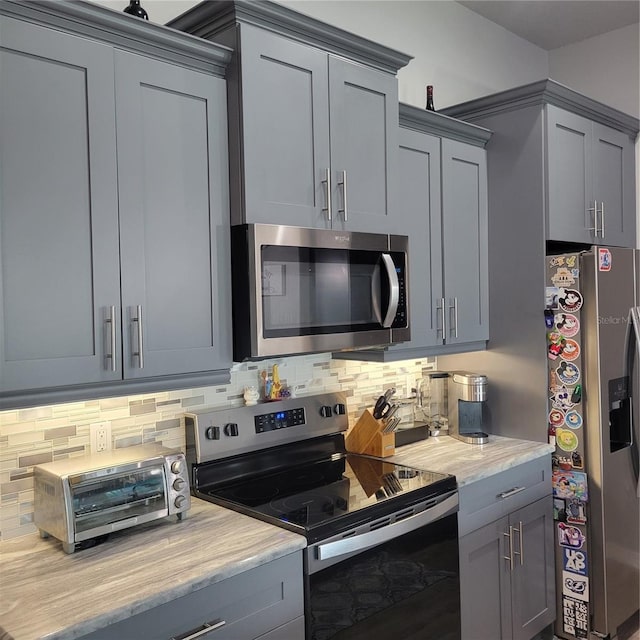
(79, 499)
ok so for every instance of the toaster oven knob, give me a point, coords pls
(179, 501)
(176, 467)
(178, 484)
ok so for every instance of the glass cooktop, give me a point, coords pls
(323, 497)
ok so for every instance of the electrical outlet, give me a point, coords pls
(100, 433)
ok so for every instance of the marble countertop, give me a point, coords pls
(469, 462)
(46, 593)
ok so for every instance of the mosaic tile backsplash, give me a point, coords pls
(36, 435)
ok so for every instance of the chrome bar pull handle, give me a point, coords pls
(521, 552)
(441, 307)
(595, 218)
(511, 492)
(139, 353)
(327, 181)
(201, 631)
(343, 184)
(602, 220)
(510, 556)
(111, 352)
(454, 307)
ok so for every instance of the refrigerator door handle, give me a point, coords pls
(633, 350)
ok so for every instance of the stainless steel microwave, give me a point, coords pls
(299, 290)
(78, 499)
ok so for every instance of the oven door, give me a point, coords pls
(404, 585)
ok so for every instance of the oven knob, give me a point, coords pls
(179, 501)
(176, 467)
(339, 409)
(178, 484)
(326, 411)
(230, 429)
(212, 433)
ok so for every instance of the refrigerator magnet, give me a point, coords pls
(570, 536)
(563, 277)
(561, 398)
(568, 372)
(571, 349)
(575, 617)
(567, 440)
(573, 420)
(604, 259)
(575, 586)
(570, 300)
(574, 561)
(567, 324)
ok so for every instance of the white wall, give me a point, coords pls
(459, 52)
(605, 67)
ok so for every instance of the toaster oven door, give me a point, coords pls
(107, 503)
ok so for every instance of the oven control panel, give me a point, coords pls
(213, 434)
(279, 420)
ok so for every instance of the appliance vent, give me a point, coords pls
(401, 515)
(378, 524)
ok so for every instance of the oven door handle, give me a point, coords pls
(371, 539)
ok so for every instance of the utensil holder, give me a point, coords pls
(366, 437)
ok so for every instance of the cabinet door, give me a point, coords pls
(285, 130)
(465, 242)
(614, 186)
(173, 184)
(485, 583)
(58, 210)
(419, 217)
(364, 146)
(570, 207)
(533, 577)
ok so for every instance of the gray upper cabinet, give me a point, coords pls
(465, 243)
(443, 208)
(174, 239)
(584, 153)
(590, 179)
(114, 237)
(58, 209)
(329, 102)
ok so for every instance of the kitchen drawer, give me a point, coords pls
(251, 604)
(487, 500)
(293, 630)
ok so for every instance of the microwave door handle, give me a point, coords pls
(394, 290)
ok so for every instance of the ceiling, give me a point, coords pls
(555, 23)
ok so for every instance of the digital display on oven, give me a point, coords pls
(279, 420)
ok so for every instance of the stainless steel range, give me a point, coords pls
(382, 554)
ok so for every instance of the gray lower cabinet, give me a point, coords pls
(591, 196)
(443, 208)
(265, 603)
(507, 578)
(114, 237)
(313, 134)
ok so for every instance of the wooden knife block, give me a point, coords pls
(366, 437)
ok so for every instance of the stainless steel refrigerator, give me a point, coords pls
(591, 315)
